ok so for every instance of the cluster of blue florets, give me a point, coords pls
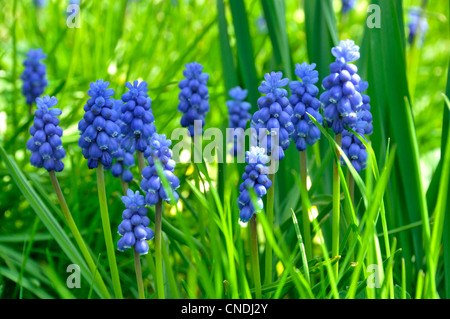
(193, 97)
(137, 117)
(134, 227)
(303, 100)
(341, 100)
(45, 142)
(123, 158)
(348, 5)
(151, 182)
(33, 77)
(255, 177)
(352, 145)
(274, 115)
(98, 128)
(239, 115)
(417, 25)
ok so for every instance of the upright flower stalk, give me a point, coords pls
(238, 111)
(124, 159)
(33, 76)
(152, 185)
(255, 183)
(193, 97)
(341, 102)
(98, 142)
(138, 120)
(274, 117)
(304, 102)
(135, 231)
(47, 152)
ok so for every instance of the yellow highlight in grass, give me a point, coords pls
(279, 268)
(313, 213)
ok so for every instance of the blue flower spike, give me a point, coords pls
(151, 183)
(98, 128)
(134, 227)
(274, 115)
(303, 100)
(348, 5)
(33, 77)
(45, 143)
(352, 145)
(193, 97)
(137, 117)
(124, 159)
(254, 177)
(238, 111)
(417, 25)
(341, 99)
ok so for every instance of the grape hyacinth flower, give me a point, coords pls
(193, 96)
(238, 111)
(341, 100)
(417, 25)
(98, 130)
(45, 144)
(137, 117)
(151, 183)
(274, 113)
(33, 77)
(348, 5)
(255, 177)
(303, 100)
(123, 158)
(352, 146)
(134, 227)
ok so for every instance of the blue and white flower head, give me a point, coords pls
(98, 128)
(134, 227)
(238, 111)
(274, 113)
(151, 183)
(351, 143)
(348, 5)
(255, 177)
(33, 77)
(303, 100)
(137, 117)
(417, 25)
(193, 97)
(341, 100)
(124, 159)
(45, 144)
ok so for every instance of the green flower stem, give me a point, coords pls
(351, 190)
(305, 217)
(76, 234)
(255, 258)
(269, 249)
(159, 269)
(137, 267)
(107, 232)
(336, 208)
(137, 258)
(141, 161)
(124, 186)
